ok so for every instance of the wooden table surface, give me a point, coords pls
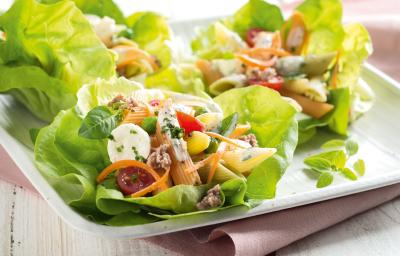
(31, 227)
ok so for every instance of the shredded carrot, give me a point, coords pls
(252, 62)
(262, 51)
(123, 164)
(223, 138)
(161, 183)
(335, 71)
(128, 54)
(215, 160)
(276, 40)
(205, 161)
(239, 131)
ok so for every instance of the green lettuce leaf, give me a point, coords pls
(179, 78)
(151, 30)
(323, 20)
(216, 42)
(70, 163)
(97, 7)
(101, 91)
(59, 41)
(256, 14)
(337, 120)
(356, 47)
(273, 122)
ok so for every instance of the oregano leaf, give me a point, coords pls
(325, 179)
(359, 167)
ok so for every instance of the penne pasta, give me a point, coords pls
(183, 170)
(244, 160)
(136, 116)
(310, 107)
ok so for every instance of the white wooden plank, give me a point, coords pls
(37, 230)
(376, 232)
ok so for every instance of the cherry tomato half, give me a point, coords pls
(133, 179)
(189, 123)
(251, 34)
(275, 82)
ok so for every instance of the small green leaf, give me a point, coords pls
(318, 164)
(325, 179)
(359, 167)
(351, 147)
(228, 124)
(149, 124)
(348, 173)
(337, 158)
(333, 144)
(98, 123)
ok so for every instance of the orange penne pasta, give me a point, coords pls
(310, 107)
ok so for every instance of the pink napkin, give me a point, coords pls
(266, 233)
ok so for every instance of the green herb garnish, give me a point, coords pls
(99, 122)
(334, 161)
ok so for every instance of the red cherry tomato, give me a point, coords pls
(189, 123)
(251, 34)
(275, 82)
(133, 179)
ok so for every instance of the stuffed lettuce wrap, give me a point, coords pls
(125, 155)
(310, 57)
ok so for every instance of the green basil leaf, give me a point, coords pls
(228, 124)
(348, 173)
(318, 164)
(351, 147)
(149, 124)
(98, 123)
(325, 179)
(333, 144)
(359, 167)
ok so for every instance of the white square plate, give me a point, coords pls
(377, 133)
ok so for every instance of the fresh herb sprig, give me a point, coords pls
(99, 123)
(334, 160)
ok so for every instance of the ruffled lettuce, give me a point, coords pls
(323, 20)
(256, 14)
(273, 121)
(100, 8)
(71, 163)
(151, 31)
(179, 78)
(216, 42)
(49, 53)
(351, 97)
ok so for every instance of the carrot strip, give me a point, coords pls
(123, 164)
(128, 54)
(262, 64)
(210, 75)
(223, 138)
(253, 52)
(214, 164)
(158, 183)
(239, 131)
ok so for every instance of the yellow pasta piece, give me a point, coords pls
(244, 160)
